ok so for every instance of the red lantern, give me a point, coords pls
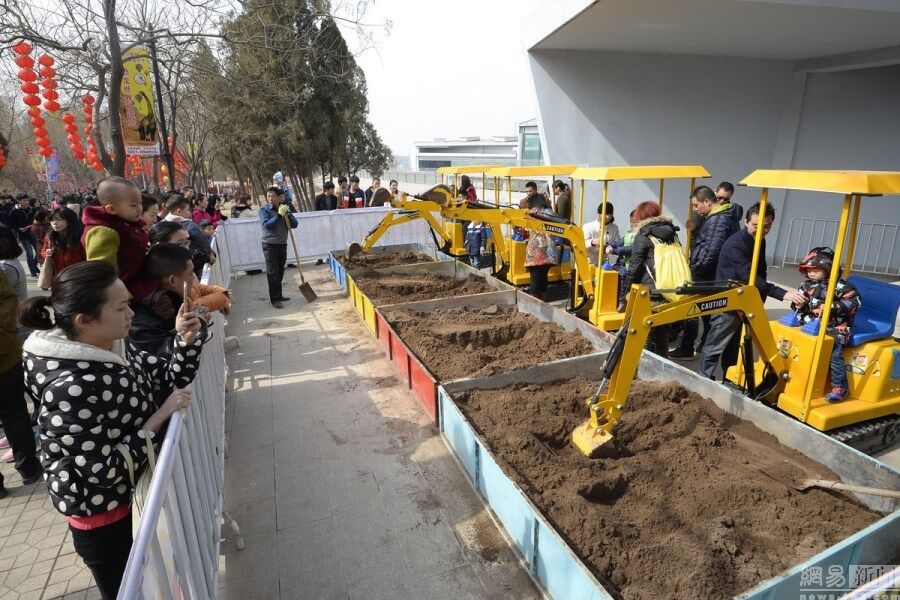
(46, 60)
(87, 99)
(34, 111)
(25, 61)
(68, 118)
(31, 100)
(50, 94)
(29, 87)
(37, 121)
(49, 84)
(43, 142)
(46, 151)
(27, 75)
(52, 106)
(74, 138)
(47, 72)
(40, 132)
(22, 48)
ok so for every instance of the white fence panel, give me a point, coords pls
(176, 549)
(317, 234)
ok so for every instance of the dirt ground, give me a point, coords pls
(380, 260)
(393, 288)
(685, 510)
(471, 342)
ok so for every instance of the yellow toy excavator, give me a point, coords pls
(594, 435)
(791, 368)
(440, 199)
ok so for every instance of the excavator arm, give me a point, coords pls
(620, 369)
(440, 199)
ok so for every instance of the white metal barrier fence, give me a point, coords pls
(176, 549)
(317, 234)
(873, 253)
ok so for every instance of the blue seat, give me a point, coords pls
(876, 317)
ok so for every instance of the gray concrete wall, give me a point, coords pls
(849, 120)
(731, 115)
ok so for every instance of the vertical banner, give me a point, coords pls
(138, 116)
(52, 166)
(37, 163)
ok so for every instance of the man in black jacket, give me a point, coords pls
(326, 201)
(734, 264)
(720, 219)
(21, 218)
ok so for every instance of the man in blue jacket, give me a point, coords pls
(734, 264)
(720, 220)
(274, 240)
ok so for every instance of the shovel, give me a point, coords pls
(305, 288)
(826, 484)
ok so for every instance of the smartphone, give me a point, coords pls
(184, 297)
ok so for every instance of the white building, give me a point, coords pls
(734, 85)
(521, 149)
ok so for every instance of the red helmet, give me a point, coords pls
(818, 258)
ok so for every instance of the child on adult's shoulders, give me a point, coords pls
(115, 232)
(817, 267)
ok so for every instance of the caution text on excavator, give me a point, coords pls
(702, 307)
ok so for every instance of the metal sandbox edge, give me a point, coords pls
(556, 568)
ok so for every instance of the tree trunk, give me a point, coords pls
(156, 173)
(116, 73)
(97, 132)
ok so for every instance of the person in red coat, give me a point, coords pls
(62, 244)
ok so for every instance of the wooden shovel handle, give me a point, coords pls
(294, 244)
(860, 489)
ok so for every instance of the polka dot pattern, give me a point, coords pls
(91, 414)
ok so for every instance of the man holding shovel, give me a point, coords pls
(274, 217)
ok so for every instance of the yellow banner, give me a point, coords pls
(136, 109)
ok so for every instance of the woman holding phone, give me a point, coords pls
(102, 401)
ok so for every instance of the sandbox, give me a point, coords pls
(380, 256)
(381, 260)
(685, 510)
(452, 338)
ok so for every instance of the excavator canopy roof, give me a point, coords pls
(639, 172)
(533, 171)
(871, 183)
(466, 169)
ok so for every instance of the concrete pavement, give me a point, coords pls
(340, 484)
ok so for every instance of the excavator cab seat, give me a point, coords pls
(879, 311)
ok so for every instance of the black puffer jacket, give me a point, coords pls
(93, 406)
(642, 254)
(717, 227)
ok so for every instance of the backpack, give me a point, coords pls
(671, 266)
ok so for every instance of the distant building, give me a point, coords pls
(521, 149)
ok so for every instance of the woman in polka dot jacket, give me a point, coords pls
(100, 398)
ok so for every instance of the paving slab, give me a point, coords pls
(365, 501)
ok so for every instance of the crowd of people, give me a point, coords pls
(721, 250)
(105, 357)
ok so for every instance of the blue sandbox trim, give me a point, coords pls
(561, 573)
(550, 561)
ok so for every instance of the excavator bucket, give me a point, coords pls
(352, 250)
(592, 440)
(439, 193)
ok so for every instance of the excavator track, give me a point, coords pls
(870, 437)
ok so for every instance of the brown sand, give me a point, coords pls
(394, 288)
(469, 342)
(684, 511)
(380, 260)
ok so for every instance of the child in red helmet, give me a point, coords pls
(817, 266)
